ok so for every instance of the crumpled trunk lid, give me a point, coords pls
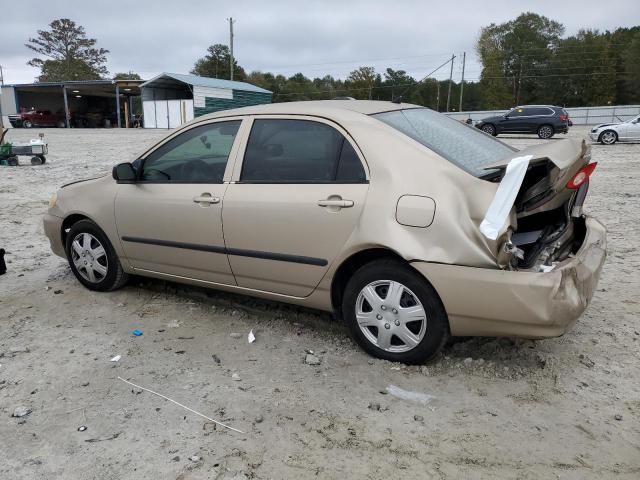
(551, 166)
(540, 216)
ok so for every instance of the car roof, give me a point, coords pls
(546, 106)
(323, 108)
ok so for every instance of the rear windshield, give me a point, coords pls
(464, 146)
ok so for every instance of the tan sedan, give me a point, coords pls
(406, 224)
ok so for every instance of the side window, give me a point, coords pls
(198, 155)
(517, 112)
(541, 111)
(299, 151)
(350, 169)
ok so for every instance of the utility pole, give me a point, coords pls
(450, 81)
(464, 59)
(231, 22)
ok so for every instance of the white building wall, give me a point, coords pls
(200, 93)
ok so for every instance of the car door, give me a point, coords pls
(630, 131)
(519, 120)
(511, 121)
(295, 200)
(170, 220)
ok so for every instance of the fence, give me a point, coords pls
(578, 115)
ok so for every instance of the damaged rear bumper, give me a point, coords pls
(520, 303)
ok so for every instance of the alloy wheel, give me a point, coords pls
(545, 132)
(488, 129)
(608, 138)
(391, 316)
(89, 257)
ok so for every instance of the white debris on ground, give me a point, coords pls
(311, 403)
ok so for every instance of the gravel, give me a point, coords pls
(531, 409)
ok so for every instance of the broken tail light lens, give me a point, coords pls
(582, 176)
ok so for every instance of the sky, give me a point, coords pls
(286, 37)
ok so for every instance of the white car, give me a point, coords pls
(610, 133)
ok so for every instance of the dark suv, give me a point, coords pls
(545, 120)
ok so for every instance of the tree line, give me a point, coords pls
(524, 61)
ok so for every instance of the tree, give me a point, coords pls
(216, 64)
(127, 76)
(362, 81)
(69, 54)
(517, 53)
(631, 58)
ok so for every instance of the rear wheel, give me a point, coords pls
(12, 161)
(393, 313)
(545, 132)
(608, 137)
(490, 129)
(27, 124)
(92, 258)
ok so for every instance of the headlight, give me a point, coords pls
(53, 200)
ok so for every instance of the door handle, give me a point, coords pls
(335, 203)
(206, 198)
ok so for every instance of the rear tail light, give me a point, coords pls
(564, 118)
(582, 176)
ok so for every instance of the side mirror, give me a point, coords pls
(124, 173)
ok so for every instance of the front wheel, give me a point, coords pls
(393, 313)
(27, 124)
(490, 129)
(608, 137)
(92, 258)
(545, 132)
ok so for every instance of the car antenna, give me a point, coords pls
(398, 99)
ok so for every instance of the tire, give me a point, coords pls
(608, 137)
(96, 269)
(490, 129)
(36, 160)
(545, 132)
(427, 334)
(27, 124)
(12, 161)
(43, 158)
(61, 124)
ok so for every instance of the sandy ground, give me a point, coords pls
(565, 408)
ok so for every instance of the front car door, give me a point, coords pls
(293, 203)
(170, 220)
(515, 121)
(630, 131)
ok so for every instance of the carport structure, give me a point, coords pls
(82, 103)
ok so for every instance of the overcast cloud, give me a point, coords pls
(315, 38)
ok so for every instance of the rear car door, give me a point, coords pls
(170, 220)
(294, 202)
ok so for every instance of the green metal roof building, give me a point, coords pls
(171, 99)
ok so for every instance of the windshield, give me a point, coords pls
(464, 146)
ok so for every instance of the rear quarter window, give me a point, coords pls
(465, 146)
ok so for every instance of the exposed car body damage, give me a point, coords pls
(531, 274)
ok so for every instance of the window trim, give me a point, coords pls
(239, 164)
(235, 147)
